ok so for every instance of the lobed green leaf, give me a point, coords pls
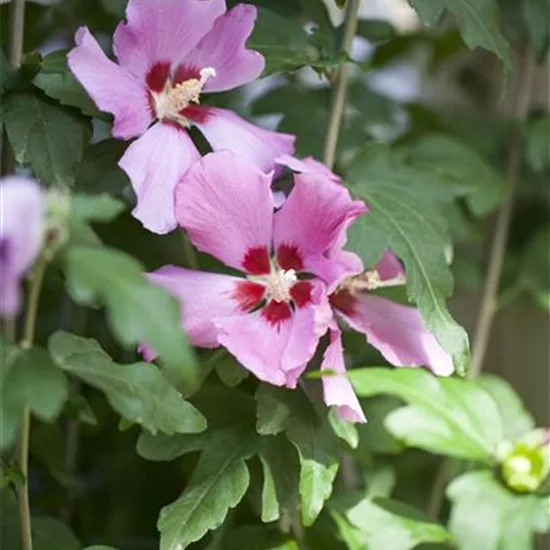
(138, 392)
(138, 311)
(445, 415)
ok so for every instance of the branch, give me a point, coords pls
(519, 107)
(488, 306)
(15, 54)
(24, 433)
(340, 90)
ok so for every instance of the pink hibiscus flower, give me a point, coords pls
(169, 53)
(298, 279)
(22, 207)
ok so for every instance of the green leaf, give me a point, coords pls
(13, 79)
(45, 136)
(272, 411)
(138, 311)
(98, 171)
(218, 483)
(138, 392)
(452, 162)
(404, 219)
(486, 516)
(223, 408)
(318, 451)
(534, 274)
(228, 369)
(56, 80)
(91, 208)
(478, 19)
(281, 470)
(516, 419)
(283, 43)
(101, 547)
(29, 379)
(445, 415)
(163, 448)
(374, 437)
(310, 433)
(376, 30)
(538, 144)
(536, 14)
(384, 523)
(257, 537)
(527, 22)
(95, 208)
(346, 431)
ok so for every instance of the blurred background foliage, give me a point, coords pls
(425, 114)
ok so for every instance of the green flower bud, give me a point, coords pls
(525, 464)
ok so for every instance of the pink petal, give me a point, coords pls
(307, 165)
(113, 89)
(389, 267)
(277, 353)
(160, 31)
(315, 199)
(398, 332)
(22, 207)
(337, 389)
(203, 297)
(155, 163)
(225, 130)
(227, 207)
(224, 49)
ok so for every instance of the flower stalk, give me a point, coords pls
(15, 54)
(340, 90)
(24, 434)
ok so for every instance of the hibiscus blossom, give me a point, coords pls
(169, 53)
(298, 279)
(271, 318)
(22, 207)
(396, 331)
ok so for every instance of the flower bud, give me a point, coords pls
(525, 464)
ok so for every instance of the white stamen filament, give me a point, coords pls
(371, 280)
(279, 283)
(173, 99)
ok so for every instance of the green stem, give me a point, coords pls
(489, 299)
(15, 54)
(25, 424)
(347, 470)
(189, 252)
(341, 86)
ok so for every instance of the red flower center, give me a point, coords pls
(273, 281)
(176, 99)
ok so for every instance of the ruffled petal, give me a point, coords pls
(337, 389)
(22, 207)
(279, 352)
(162, 32)
(389, 267)
(225, 130)
(226, 206)
(307, 165)
(155, 163)
(297, 224)
(398, 332)
(224, 49)
(203, 297)
(113, 89)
